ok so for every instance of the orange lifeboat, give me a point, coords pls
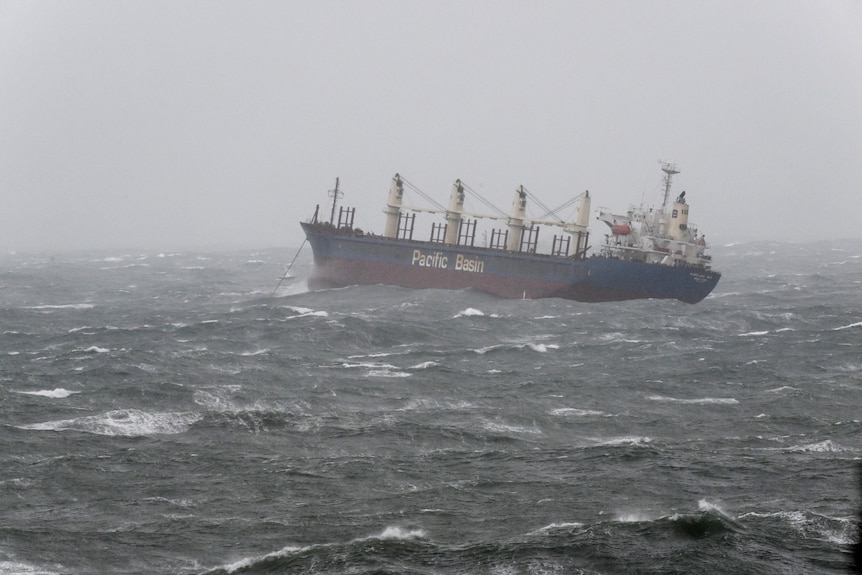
(621, 229)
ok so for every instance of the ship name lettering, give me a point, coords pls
(435, 260)
(469, 265)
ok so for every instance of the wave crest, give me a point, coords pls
(122, 422)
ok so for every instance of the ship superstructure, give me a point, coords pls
(659, 236)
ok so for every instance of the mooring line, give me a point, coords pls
(290, 265)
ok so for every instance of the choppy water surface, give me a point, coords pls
(163, 414)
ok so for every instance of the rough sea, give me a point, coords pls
(162, 413)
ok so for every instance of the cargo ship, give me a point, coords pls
(647, 252)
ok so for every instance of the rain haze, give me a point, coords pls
(172, 125)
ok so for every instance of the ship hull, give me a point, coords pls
(342, 259)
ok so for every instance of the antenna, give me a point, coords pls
(669, 169)
(337, 194)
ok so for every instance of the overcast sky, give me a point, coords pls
(186, 124)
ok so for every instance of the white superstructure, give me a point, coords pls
(661, 236)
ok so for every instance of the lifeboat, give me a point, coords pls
(621, 229)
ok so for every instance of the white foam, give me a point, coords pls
(484, 350)
(215, 401)
(253, 353)
(63, 306)
(14, 568)
(848, 326)
(430, 404)
(554, 526)
(249, 562)
(844, 536)
(813, 525)
(300, 310)
(782, 388)
(611, 337)
(753, 333)
(714, 295)
(573, 411)
(368, 365)
(123, 422)
(827, 446)
(424, 365)
(399, 533)
(387, 373)
(504, 428)
(633, 517)
(177, 502)
(96, 349)
(378, 369)
(389, 533)
(57, 393)
(16, 483)
(708, 506)
(792, 516)
(541, 347)
(310, 313)
(470, 311)
(698, 401)
(628, 440)
(537, 347)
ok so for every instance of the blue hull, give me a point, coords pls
(614, 279)
(342, 258)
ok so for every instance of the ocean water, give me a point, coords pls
(162, 413)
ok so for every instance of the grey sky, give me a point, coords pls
(172, 125)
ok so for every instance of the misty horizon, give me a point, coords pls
(156, 126)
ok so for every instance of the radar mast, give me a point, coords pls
(669, 169)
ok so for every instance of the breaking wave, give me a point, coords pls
(123, 422)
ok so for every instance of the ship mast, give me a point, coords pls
(336, 195)
(669, 169)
